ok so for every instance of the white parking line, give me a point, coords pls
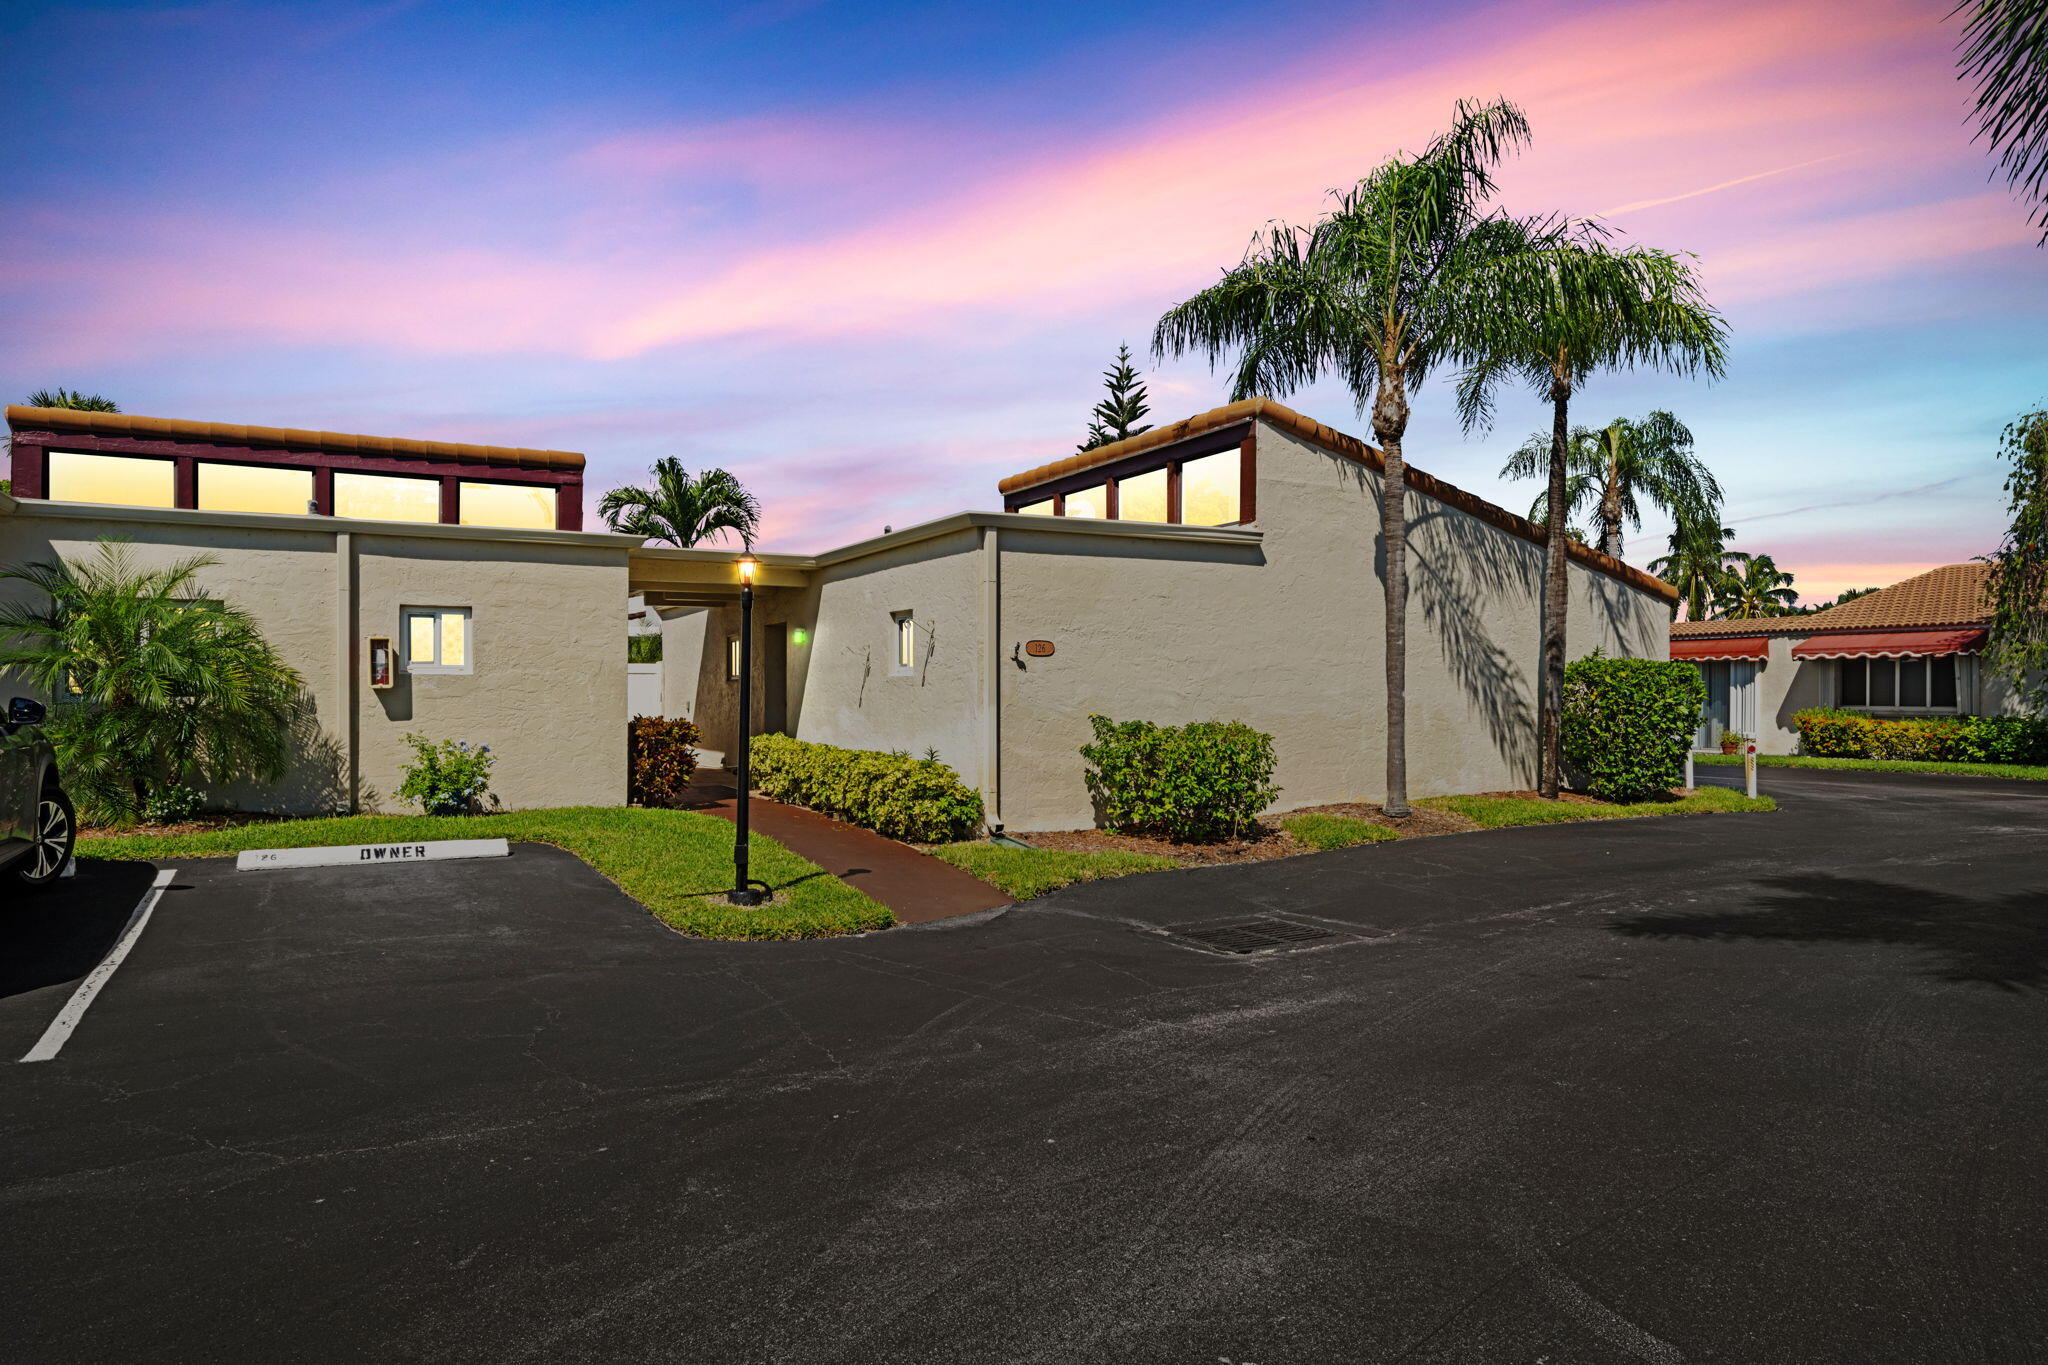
(59, 1031)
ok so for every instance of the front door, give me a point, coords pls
(775, 680)
(1731, 701)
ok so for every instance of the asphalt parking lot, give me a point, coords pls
(1730, 1088)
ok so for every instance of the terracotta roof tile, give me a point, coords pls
(1952, 595)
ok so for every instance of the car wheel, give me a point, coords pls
(50, 845)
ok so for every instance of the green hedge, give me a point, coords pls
(1628, 724)
(919, 800)
(1830, 732)
(1193, 783)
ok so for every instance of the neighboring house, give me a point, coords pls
(1226, 567)
(469, 559)
(1908, 650)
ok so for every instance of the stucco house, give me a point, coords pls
(1222, 567)
(501, 615)
(1912, 649)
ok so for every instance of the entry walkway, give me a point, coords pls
(915, 886)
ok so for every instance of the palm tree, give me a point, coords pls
(163, 682)
(1558, 317)
(2005, 47)
(1379, 291)
(1698, 564)
(682, 509)
(1614, 469)
(1757, 589)
(71, 398)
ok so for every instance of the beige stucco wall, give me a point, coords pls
(1288, 639)
(548, 686)
(547, 693)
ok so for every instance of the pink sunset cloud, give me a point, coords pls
(1620, 97)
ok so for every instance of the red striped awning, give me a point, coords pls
(1699, 647)
(1892, 644)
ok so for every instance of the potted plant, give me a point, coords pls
(1732, 741)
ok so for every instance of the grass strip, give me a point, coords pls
(676, 863)
(1502, 812)
(1321, 830)
(2024, 772)
(1027, 872)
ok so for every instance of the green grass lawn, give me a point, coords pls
(1028, 872)
(1320, 830)
(2026, 772)
(1500, 812)
(676, 863)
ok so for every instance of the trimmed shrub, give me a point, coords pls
(662, 755)
(1191, 783)
(1628, 723)
(452, 777)
(643, 649)
(918, 800)
(1832, 732)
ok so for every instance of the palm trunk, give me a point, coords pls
(1389, 425)
(1610, 512)
(1556, 598)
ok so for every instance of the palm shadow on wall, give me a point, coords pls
(1460, 569)
(1999, 941)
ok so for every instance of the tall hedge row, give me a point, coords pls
(919, 800)
(1628, 724)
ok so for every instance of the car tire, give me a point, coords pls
(51, 842)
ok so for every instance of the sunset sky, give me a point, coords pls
(872, 257)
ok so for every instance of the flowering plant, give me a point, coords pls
(452, 777)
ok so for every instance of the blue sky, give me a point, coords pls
(873, 257)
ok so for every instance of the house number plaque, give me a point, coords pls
(1038, 649)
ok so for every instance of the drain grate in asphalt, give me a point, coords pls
(1251, 935)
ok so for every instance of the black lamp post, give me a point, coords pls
(745, 891)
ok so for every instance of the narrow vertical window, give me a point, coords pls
(1913, 683)
(1854, 692)
(1884, 682)
(1142, 497)
(1210, 490)
(732, 658)
(906, 641)
(1942, 683)
(1089, 502)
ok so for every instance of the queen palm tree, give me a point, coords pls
(1758, 588)
(1698, 564)
(1560, 316)
(1612, 470)
(2005, 47)
(1378, 292)
(168, 684)
(684, 509)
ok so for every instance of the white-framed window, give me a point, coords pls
(732, 658)
(905, 626)
(1918, 684)
(437, 640)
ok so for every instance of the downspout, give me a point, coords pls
(991, 678)
(345, 657)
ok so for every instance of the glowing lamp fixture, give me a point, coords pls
(747, 567)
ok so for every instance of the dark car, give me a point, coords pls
(37, 827)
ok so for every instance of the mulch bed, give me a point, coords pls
(1270, 841)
